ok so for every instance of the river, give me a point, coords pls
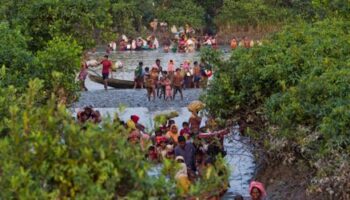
(239, 153)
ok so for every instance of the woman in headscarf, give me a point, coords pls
(181, 176)
(257, 190)
(173, 133)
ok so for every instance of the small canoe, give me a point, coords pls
(112, 82)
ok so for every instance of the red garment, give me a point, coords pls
(185, 131)
(160, 139)
(106, 66)
(153, 155)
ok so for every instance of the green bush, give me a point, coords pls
(181, 12)
(58, 65)
(251, 12)
(292, 94)
(14, 56)
(47, 155)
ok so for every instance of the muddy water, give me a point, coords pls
(239, 153)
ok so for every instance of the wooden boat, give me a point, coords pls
(112, 82)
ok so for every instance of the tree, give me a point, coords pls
(249, 13)
(57, 65)
(15, 59)
(290, 94)
(40, 21)
(181, 12)
(47, 155)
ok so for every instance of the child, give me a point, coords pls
(171, 68)
(161, 85)
(167, 84)
(147, 71)
(161, 147)
(152, 154)
(185, 131)
(150, 87)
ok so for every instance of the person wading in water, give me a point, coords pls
(106, 69)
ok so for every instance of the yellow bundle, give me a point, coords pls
(166, 115)
(196, 106)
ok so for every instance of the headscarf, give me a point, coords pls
(183, 168)
(172, 126)
(260, 186)
(135, 118)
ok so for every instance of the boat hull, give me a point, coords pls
(115, 83)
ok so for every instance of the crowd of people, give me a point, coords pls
(182, 43)
(137, 44)
(167, 82)
(193, 151)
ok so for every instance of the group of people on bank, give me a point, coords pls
(167, 82)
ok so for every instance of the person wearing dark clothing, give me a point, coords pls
(187, 151)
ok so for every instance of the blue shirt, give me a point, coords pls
(188, 153)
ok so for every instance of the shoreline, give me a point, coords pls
(114, 98)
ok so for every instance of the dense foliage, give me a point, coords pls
(45, 154)
(292, 95)
(252, 13)
(56, 64)
(41, 21)
(264, 13)
(181, 12)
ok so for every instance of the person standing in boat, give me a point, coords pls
(106, 70)
(138, 80)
